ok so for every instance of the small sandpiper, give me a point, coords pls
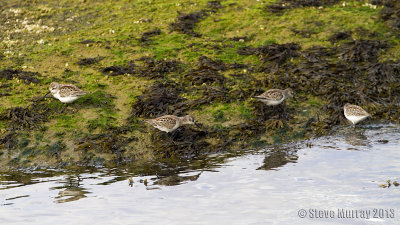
(170, 123)
(355, 113)
(275, 96)
(66, 93)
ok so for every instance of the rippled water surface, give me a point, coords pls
(271, 186)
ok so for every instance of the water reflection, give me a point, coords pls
(71, 189)
(278, 157)
(175, 179)
(71, 194)
(209, 190)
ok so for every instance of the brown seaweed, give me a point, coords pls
(278, 53)
(27, 117)
(339, 36)
(390, 13)
(119, 70)
(158, 100)
(89, 61)
(362, 50)
(282, 5)
(150, 68)
(186, 22)
(146, 36)
(27, 77)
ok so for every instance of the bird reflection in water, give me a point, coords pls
(72, 190)
(279, 156)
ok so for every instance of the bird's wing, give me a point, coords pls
(358, 111)
(167, 122)
(272, 94)
(71, 90)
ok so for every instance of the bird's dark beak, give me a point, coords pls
(196, 124)
(46, 95)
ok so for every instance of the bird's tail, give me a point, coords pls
(83, 93)
(149, 121)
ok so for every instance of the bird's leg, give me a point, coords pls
(277, 110)
(63, 109)
(281, 111)
(171, 138)
(263, 111)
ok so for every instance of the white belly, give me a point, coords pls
(355, 119)
(67, 99)
(162, 128)
(272, 102)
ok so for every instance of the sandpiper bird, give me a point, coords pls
(170, 123)
(66, 93)
(355, 113)
(275, 96)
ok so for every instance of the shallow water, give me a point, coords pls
(335, 175)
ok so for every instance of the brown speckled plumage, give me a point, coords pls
(66, 93)
(355, 113)
(274, 96)
(71, 90)
(170, 123)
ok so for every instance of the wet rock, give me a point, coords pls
(27, 77)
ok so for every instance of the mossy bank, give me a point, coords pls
(142, 59)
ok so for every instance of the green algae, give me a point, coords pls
(208, 83)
